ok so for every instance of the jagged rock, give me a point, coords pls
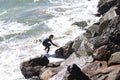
(82, 47)
(65, 51)
(101, 2)
(99, 53)
(47, 73)
(114, 59)
(105, 6)
(110, 14)
(118, 10)
(85, 49)
(103, 25)
(98, 41)
(114, 75)
(78, 60)
(77, 42)
(94, 68)
(92, 31)
(33, 67)
(104, 74)
(81, 24)
(75, 73)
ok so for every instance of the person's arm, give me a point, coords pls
(53, 43)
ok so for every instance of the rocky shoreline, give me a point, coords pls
(93, 55)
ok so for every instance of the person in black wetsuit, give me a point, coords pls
(47, 43)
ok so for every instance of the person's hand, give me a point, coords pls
(57, 46)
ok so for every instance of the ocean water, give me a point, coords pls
(25, 23)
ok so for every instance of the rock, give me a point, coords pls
(94, 68)
(100, 53)
(101, 2)
(110, 14)
(75, 73)
(48, 72)
(114, 59)
(105, 6)
(78, 60)
(105, 73)
(118, 10)
(42, 61)
(85, 49)
(103, 25)
(81, 24)
(81, 46)
(110, 73)
(77, 42)
(98, 41)
(65, 51)
(114, 75)
(93, 30)
(33, 67)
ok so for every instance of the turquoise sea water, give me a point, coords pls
(23, 22)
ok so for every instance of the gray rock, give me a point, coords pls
(114, 59)
(65, 51)
(81, 24)
(105, 6)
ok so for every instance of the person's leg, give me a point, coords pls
(48, 47)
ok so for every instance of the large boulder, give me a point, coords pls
(75, 73)
(92, 31)
(105, 6)
(78, 60)
(82, 47)
(109, 73)
(110, 14)
(114, 75)
(81, 24)
(100, 53)
(114, 59)
(65, 51)
(94, 68)
(48, 72)
(33, 67)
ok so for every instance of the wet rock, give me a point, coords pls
(42, 61)
(33, 67)
(81, 24)
(65, 51)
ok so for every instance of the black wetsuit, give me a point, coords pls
(47, 44)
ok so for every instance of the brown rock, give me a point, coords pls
(100, 52)
(94, 68)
